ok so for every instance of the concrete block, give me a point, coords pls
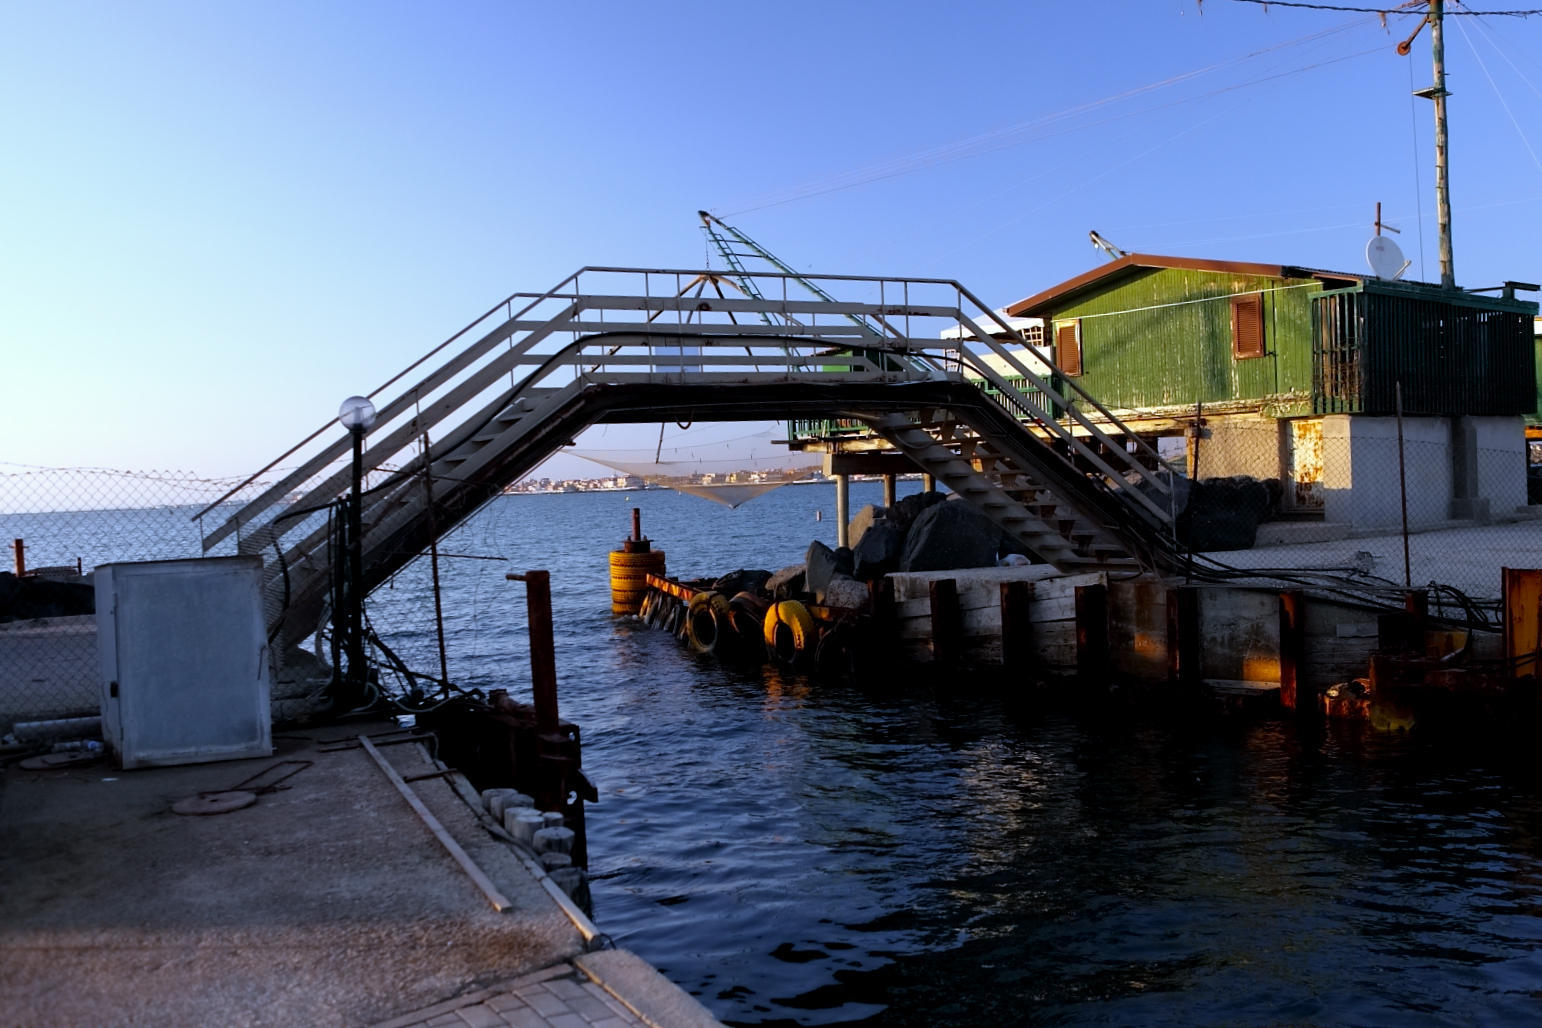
(554, 840)
(523, 824)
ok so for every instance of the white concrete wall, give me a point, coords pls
(1360, 471)
(1360, 468)
(1502, 462)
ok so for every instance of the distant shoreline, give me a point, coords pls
(666, 489)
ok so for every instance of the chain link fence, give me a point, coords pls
(1335, 494)
(58, 524)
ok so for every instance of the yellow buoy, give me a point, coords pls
(630, 567)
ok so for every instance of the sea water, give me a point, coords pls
(929, 849)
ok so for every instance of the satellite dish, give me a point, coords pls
(1384, 257)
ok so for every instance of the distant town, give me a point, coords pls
(633, 483)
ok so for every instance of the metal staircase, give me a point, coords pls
(1058, 471)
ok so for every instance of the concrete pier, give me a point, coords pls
(328, 902)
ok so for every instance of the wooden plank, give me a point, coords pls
(912, 585)
(494, 896)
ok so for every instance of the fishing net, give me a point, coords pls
(727, 471)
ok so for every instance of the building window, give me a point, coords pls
(1068, 346)
(1247, 326)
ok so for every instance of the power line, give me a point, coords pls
(1502, 102)
(1013, 135)
(1400, 9)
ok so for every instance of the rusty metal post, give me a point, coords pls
(1183, 649)
(1402, 484)
(946, 617)
(636, 524)
(1522, 619)
(889, 490)
(1016, 628)
(433, 565)
(543, 649)
(21, 557)
(1292, 645)
(1092, 664)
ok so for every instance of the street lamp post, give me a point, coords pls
(356, 414)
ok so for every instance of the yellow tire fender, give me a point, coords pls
(789, 631)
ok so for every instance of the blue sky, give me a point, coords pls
(220, 219)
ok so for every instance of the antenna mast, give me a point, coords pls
(1437, 92)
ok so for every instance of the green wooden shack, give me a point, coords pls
(1291, 375)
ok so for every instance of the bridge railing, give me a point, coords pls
(617, 325)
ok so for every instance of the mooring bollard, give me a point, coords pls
(630, 567)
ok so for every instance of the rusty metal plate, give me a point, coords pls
(1306, 463)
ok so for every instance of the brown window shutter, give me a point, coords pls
(1068, 347)
(1247, 326)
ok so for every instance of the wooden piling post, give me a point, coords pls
(947, 626)
(1016, 630)
(1092, 664)
(1183, 652)
(1292, 645)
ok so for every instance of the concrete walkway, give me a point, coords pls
(609, 989)
(328, 903)
(1468, 558)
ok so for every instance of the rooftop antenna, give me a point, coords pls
(1114, 253)
(1382, 254)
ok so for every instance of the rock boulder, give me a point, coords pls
(947, 536)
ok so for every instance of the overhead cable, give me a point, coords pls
(1400, 9)
(1000, 138)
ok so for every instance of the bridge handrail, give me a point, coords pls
(464, 376)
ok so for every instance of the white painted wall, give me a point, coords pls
(1360, 469)
(1502, 462)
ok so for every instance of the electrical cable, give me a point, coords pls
(1502, 102)
(963, 149)
(1405, 8)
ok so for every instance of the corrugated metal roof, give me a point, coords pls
(1044, 303)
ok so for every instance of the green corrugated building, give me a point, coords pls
(1294, 373)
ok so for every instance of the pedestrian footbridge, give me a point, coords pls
(1049, 463)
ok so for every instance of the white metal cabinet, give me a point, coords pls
(183, 652)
